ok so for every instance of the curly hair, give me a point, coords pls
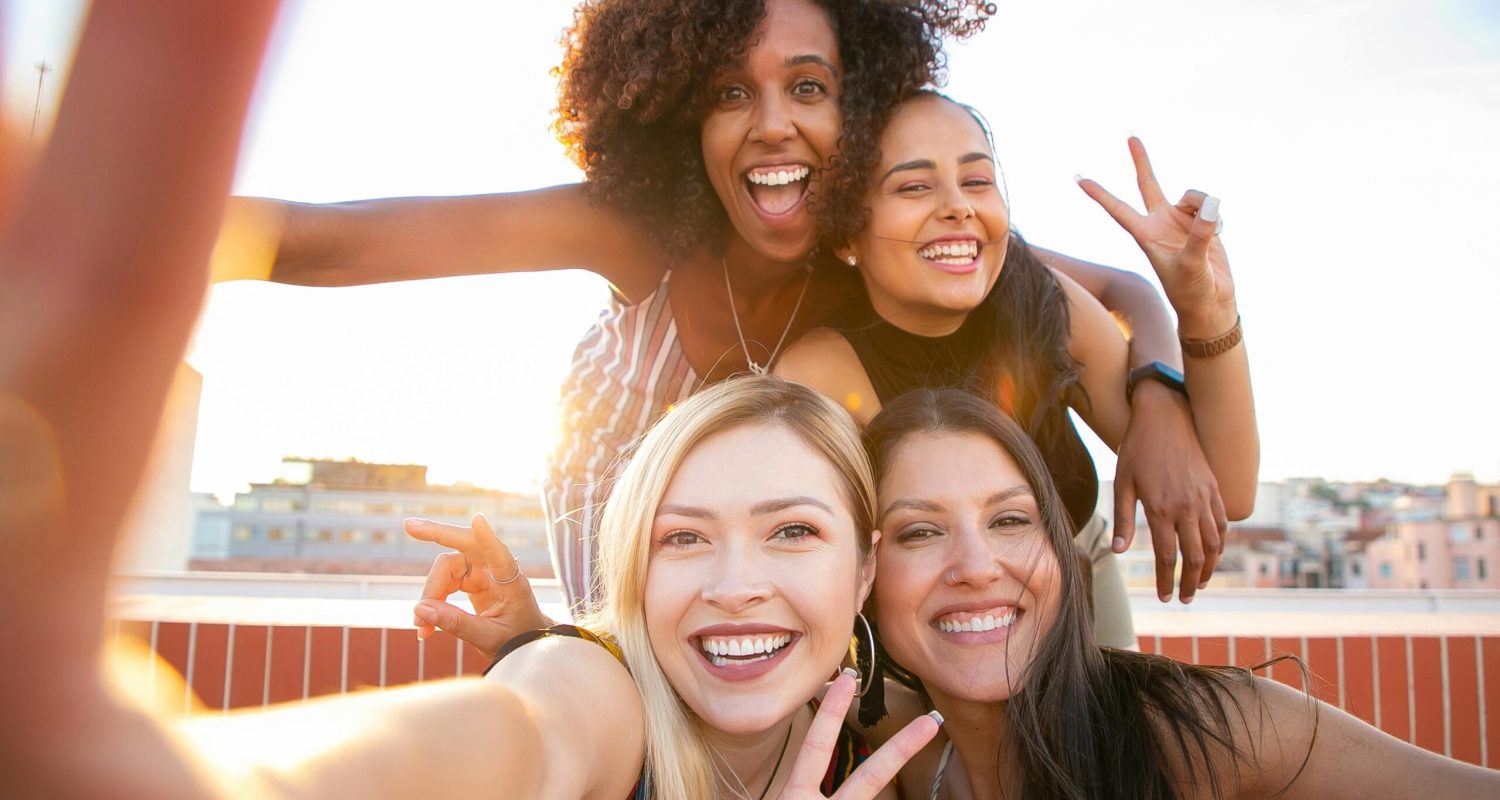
(637, 77)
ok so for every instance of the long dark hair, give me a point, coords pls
(1083, 721)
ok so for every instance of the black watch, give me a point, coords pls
(1155, 371)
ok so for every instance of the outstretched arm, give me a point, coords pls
(1294, 746)
(409, 238)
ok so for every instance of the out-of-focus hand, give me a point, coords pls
(483, 568)
(875, 774)
(1162, 465)
(1183, 245)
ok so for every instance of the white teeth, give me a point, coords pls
(779, 177)
(951, 252)
(977, 624)
(722, 648)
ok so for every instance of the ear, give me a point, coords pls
(867, 570)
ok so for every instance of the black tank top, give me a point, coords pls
(897, 362)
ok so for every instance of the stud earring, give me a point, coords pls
(852, 260)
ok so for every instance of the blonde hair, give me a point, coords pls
(679, 764)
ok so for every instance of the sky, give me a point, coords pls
(1353, 144)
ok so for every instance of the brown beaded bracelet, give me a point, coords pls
(1218, 345)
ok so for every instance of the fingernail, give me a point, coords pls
(1219, 227)
(936, 717)
(1165, 598)
(1187, 601)
(414, 522)
(850, 672)
(1119, 545)
(1130, 133)
(1078, 179)
(1210, 210)
(425, 613)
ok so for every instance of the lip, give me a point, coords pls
(954, 269)
(736, 673)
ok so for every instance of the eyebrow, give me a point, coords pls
(927, 163)
(763, 507)
(797, 61)
(931, 507)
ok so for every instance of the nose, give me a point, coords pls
(956, 206)
(772, 123)
(974, 561)
(736, 582)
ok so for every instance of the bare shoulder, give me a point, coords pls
(584, 702)
(824, 360)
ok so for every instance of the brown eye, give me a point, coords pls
(795, 532)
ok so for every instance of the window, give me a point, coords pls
(380, 537)
(1461, 569)
(351, 536)
(1354, 568)
(275, 535)
(1481, 569)
(1385, 569)
(380, 508)
(242, 533)
(1421, 551)
(244, 502)
(280, 504)
(1265, 569)
(320, 535)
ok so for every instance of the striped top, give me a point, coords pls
(628, 370)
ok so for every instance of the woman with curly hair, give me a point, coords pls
(708, 132)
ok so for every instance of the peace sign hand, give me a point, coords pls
(1182, 243)
(876, 773)
(483, 568)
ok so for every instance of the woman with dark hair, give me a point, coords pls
(980, 607)
(708, 131)
(956, 298)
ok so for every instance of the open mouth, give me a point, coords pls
(779, 189)
(952, 252)
(725, 651)
(983, 621)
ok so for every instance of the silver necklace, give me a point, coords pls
(755, 367)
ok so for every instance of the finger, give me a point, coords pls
(445, 577)
(1124, 515)
(1202, 232)
(496, 555)
(1145, 176)
(1190, 540)
(1114, 206)
(882, 766)
(1221, 524)
(1191, 201)
(1213, 546)
(1164, 542)
(453, 537)
(481, 633)
(822, 735)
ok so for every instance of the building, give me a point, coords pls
(1452, 546)
(325, 516)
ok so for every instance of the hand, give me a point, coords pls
(1182, 244)
(875, 773)
(478, 566)
(1162, 464)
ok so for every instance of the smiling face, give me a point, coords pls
(938, 226)
(754, 577)
(773, 126)
(967, 583)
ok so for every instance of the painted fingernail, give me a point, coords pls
(1219, 227)
(850, 672)
(936, 717)
(1078, 179)
(1210, 210)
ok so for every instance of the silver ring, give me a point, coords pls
(512, 578)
